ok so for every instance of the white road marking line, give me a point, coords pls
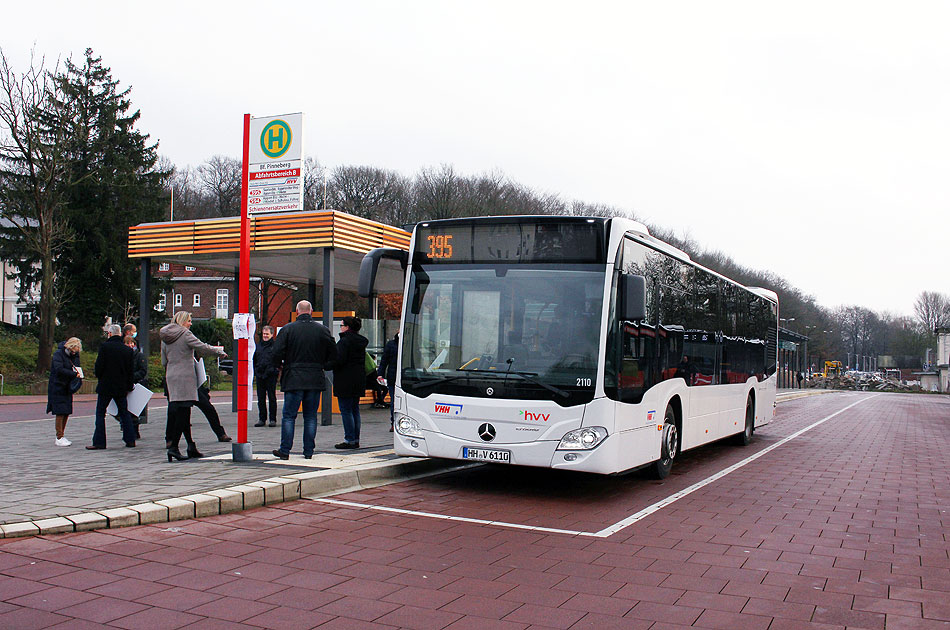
(620, 525)
(446, 517)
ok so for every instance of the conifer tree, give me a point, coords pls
(116, 183)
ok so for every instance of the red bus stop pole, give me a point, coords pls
(244, 290)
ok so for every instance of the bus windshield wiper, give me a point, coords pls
(530, 377)
(440, 379)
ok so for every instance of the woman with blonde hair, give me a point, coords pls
(179, 347)
(65, 378)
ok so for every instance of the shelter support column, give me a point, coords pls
(145, 304)
(326, 415)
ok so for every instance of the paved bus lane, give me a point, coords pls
(843, 526)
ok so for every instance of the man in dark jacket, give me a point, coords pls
(387, 370)
(302, 351)
(266, 375)
(349, 378)
(114, 370)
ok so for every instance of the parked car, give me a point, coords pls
(226, 365)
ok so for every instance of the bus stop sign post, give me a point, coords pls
(277, 177)
(242, 450)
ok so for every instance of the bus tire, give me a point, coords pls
(745, 438)
(669, 446)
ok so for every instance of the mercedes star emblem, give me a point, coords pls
(486, 432)
(489, 391)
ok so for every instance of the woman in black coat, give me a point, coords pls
(349, 378)
(62, 374)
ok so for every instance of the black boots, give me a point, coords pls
(173, 451)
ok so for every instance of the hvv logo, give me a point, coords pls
(448, 408)
(537, 417)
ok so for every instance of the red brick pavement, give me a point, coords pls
(843, 527)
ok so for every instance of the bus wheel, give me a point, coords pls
(669, 447)
(745, 438)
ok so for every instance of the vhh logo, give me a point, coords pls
(448, 408)
(275, 138)
(534, 417)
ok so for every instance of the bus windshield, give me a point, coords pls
(520, 331)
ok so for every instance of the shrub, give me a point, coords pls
(216, 332)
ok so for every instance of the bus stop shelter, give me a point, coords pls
(312, 248)
(792, 361)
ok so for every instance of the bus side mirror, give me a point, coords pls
(633, 298)
(370, 264)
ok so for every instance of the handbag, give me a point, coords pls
(75, 384)
(369, 365)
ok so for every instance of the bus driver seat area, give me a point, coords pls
(515, 350)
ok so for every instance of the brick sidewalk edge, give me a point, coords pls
(237, 498)
(258, 493)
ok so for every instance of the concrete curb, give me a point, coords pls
(255, 494)
(237, 498)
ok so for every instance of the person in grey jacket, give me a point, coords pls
(302, 351)
(179, 347)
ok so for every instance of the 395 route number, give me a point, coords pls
(440, 245)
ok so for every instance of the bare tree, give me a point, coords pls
(187, 195)
(220, 179)
(437, 193)
(313, 185)
(932, 310)
(366, 192)
(35, 170)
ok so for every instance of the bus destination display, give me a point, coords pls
(461, 242)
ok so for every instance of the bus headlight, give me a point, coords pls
(409, 427)
(582, 439)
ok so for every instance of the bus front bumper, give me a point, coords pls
(602, 459)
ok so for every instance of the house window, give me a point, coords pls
(187, 268)
(178, 299)
(163, 266)
(196, 301)
(161, 303)
(24, 316)
(221, 303)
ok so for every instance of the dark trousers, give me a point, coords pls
(125, 419)
(267, 395)
(205, 406)
(392, 401)
(350, 414)
(178, 423)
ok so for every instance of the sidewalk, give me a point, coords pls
(48, 489)
(92, 489)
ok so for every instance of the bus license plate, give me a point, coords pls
(486, 455)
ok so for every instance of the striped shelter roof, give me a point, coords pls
(283, 246)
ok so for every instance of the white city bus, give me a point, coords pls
(576, 343)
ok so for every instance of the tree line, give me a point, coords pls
(75, 173)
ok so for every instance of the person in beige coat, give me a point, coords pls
(179, 347)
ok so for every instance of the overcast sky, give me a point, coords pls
(811, 139)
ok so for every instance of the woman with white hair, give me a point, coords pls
(65, 378)
(179, 347)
